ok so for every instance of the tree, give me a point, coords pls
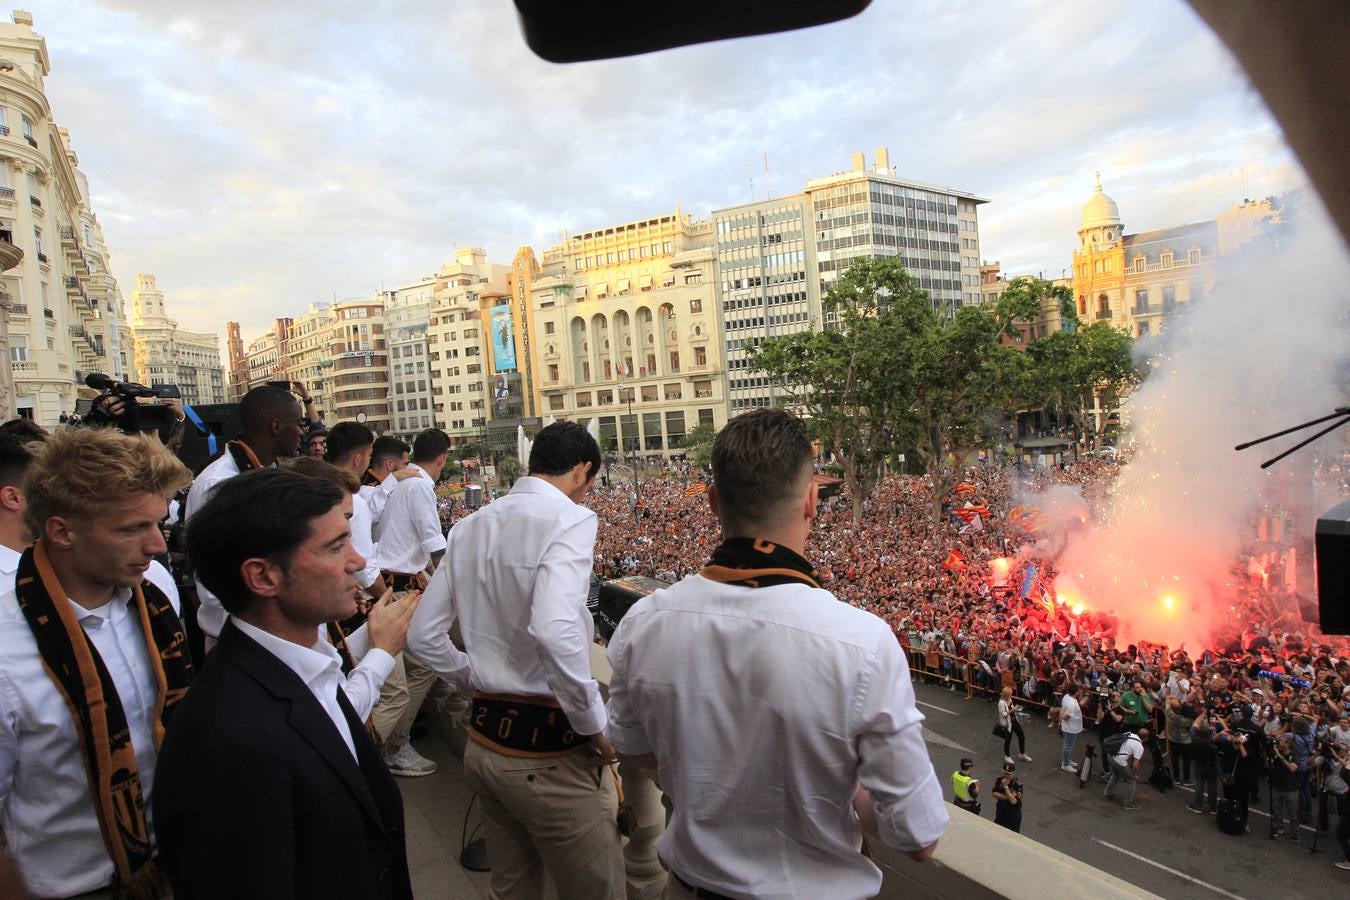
(508, 470)
(698, 443)
(1073, 368)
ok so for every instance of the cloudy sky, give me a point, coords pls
(259, 155)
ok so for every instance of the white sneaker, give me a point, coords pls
(1024, 757)
(409, 763)
(1073, 769)
(1007, 759)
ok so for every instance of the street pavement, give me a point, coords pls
(1160, 846)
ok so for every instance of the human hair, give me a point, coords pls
(24, 429)
(761, 461)
(265, 514)
(263, 404)
(314, 467)
(386, 447)
(561, 447)
(82, 472)
(15, 458)
(1006, 693)
(345, 438)
(430, 444)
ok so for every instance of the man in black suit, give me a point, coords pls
(268, 784)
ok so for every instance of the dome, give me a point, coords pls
(1101, 210)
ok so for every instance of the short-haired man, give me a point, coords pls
(348, 448)
(271, 425)
(266, 761)
(16, 532)
(778, 718)
(93, 664)
(516, 575)
(411, 543)
(1125, 765)
(966, 787)
(388, 458)
(1070, 726)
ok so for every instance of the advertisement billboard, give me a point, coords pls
(503, 342)
(507, 402)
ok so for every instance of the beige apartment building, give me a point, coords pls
(457, 341)
(64, 319)
(625, 328)
(407, 317)
(356, 376)
(166, 354)
(266, 357)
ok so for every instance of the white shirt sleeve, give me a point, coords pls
(363, 543)
(426, 519)
(429, 634)
(363, 683)
(893, 761)
(557, 606)
(624, 729)
(9, 741)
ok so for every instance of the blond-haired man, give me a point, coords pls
(92, 665)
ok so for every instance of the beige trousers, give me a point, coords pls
(557, 814)
(400, 699)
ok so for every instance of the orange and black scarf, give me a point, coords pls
(85, 684)
(752, 562)
(244, 457)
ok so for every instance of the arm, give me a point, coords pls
(9, 740)
(429, 634)
(427, 521)
(311, 408)
(624, 729)
(558, 604)
(893, 761)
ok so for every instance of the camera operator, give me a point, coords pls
(1333, 764)
(1283, 788)
(1249, 768)
(1204, 766)
(120, 407)
(1304, 729)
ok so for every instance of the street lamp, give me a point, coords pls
(637, 483)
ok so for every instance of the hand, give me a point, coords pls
(175, 404)
(605, 753)
(299, 388)
(388, 621)
(406, 473)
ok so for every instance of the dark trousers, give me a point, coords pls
(1206, 784)
(1305, 805)
(1343, 823)
(1181, 762)
(1021, 738)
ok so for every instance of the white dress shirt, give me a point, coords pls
(1070, 715)
(9, 566)
(210, 614)
(766, 708)
(410, 529)
(516, 574)
(318, 666)
(46, 809)
(373, 665)
(363, 542)
(376, 497)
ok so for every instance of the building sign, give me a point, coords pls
(507, 402)
(503, 344)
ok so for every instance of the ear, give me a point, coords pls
(11, 498)
(58, 532)
(261, 577)
(812, 499)
(714, 502)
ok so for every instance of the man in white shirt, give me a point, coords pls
(266, 760)
(349, 448)
(16, 533)
(781, 723)
(1070, 725)
(388, 457)
(90, 622)
(272, 425)
(411, 543)
(516, 575)
(1125, 765)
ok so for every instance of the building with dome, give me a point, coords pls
(1137, 281)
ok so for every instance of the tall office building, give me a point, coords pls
(407, 318)
(777, 258)
(238, 377)
(168, 355)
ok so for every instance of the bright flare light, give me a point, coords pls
(1169, 602)
(1078, 609)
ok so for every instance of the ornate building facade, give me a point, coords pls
(166, 354)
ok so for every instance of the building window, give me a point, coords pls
(18, 348)
(1103, 307)
(695, 306)
(1169, 299)
(1139, 263)
(548, 328)
(1141, 302)
(700, 356)
(552, 371)
(1193, 257)
(1143, 329)
(1167, 260)
(693, 278)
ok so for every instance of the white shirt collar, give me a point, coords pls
(529, 484)
(121, 598)
(313, 663)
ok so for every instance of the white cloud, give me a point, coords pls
(257, 156)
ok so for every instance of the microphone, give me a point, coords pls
(99, 382)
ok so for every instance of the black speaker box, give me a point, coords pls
(617, 597)
(1333, 569)
(223, 421)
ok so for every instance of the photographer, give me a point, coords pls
(1179, 716)
(1126, 763)
(1204, 756)
(1332, 764)
(1284, 788)
(1008, 799)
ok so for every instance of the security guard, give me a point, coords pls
(966, 787)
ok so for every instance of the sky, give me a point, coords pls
(257, 156)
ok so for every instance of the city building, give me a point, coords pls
(309, 356)
(267, 355)
(777, 258)
(625, 329)
(168, 355)
(520, 285)
(407, 317)
(65, 317)
(992, 284)
(457, 337)
(356, 374)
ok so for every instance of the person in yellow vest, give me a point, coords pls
(966, 786)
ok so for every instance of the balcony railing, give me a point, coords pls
(4, 129)
(72, 281)
(42, 257)
(7, 193)
(18, 309)
(48, 313)
(35, 201)
(32, 141)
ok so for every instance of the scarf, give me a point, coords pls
(368, 479)
(91, 696)
(243, 454)
(751, 562)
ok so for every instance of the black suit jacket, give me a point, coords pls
(256, 794)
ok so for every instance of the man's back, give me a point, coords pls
(766, 707)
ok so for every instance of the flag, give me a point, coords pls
(1028, 518)
(695, 489)
(971, 511)
(964, 488)
(976, 524)
(956, 562)
(1028, 579)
